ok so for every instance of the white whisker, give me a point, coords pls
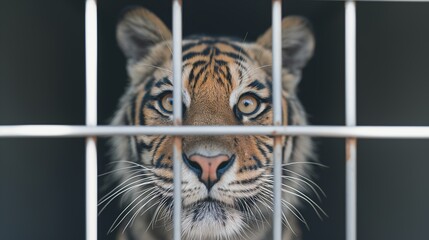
(119, 193)
(295, 163)
(283, 214)
(160, 68)
(124, 185)
(117, 170)
(116, 223)
(301, 217)
(304, 197)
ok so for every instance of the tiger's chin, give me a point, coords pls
(211, 219)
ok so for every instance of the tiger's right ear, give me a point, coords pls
(139, 30)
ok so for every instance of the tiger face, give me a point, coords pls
(226, 180)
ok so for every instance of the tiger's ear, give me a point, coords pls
(138, 31)
(297, 42)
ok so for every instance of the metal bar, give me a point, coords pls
(350, 24)
(91, 118)
(277, 118)
(55, 131)
(177, 112)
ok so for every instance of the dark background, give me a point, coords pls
(42, 82)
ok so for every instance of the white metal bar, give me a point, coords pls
(277, 61)
(177, 96)
(55, 131)
(91, 118)
(350, 24)
(91, 189)
(277, 111)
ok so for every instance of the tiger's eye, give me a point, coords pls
(167, 102)
(248, 104)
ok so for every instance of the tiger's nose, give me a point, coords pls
(209, 169)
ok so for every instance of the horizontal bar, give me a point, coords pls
(316, 131)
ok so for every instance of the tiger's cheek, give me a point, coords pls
(253, 155)
(162, 160)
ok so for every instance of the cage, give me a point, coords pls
(42, 74)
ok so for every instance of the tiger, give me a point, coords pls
(226, 180)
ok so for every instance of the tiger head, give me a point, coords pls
(226, 180)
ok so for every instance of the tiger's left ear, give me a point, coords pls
(138, 31)
(297, 42)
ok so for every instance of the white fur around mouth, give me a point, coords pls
(211, 220)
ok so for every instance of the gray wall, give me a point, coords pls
(42, 82)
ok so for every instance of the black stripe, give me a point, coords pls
(162, 82)
(141, 146)
(145, 146)
(265, 100)
(212, 41)
(164, 166)
(205, 78)
(248, 168)
(262, 151)
(161, 141)
(270, 148)
(245, 181)
(237, 56)
(198, 76)
(146, 98)
(221, 62)
(133, 111)
(191, 55)
(152, 107)
(258, 161)
(209, 50)
(236, 47)
(226, 75)
(290, 113)
(231, 44)
(159, 160)
(241, 69)
(149, 84)
(220, 81)
(188, 46)
(257, 84)
(198, 63)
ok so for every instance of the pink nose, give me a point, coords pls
(209, 169)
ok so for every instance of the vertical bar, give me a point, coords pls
(177, 112)
(350, 7)
(91, 117)
(350, 15)
(277, 96)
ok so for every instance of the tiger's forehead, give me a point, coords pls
(211, 65)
